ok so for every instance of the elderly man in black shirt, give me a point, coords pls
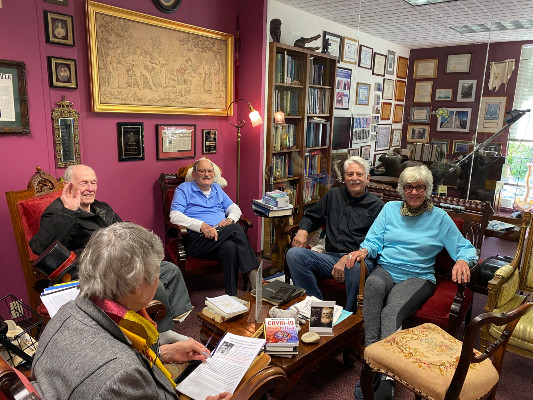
(347, 212)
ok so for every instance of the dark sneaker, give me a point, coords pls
(358, 393)
(385, 390)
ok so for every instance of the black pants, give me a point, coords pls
(232, 249)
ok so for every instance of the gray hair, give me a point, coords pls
(67, 176)
(413, 174)
(119, 259)
(357, 160)
(201, 159)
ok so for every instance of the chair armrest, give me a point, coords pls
(156, 310)
(169, 227)
(291, 230)
(8, 377)
(246, 223)
(362, 279)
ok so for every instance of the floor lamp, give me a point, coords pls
(255, 119)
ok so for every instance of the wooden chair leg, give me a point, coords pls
(366, 382)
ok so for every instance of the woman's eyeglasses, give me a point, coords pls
(418, 188)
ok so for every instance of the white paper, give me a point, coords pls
(7, 102)
(53, 300)
(224, 371)
(304, 308)
(226, 304)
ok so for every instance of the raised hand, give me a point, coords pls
(71, 197)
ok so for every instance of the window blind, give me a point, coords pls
(523, 99)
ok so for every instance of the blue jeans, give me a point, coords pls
(306, 265)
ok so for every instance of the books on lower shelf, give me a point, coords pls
(281, 336)
(278, 292)
(266, 210)
(226, 306)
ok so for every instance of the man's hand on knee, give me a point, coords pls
(300, 240)
(338, 270)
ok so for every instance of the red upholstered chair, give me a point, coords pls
(173, 243)
(25, 208)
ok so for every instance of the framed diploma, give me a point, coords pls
(388, 89)
(365, 56)
(458, 63)
(349, 50)
(423, 91)
(399, 91)
(379, 64)
(66, 134)
(176, 141)
(401, 67)
(425, 68)
(130, 137)
(209, 140)
(420, 115)
(13, 98)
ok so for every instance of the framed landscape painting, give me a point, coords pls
(418, 133)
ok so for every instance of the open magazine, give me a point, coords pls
(224, 370)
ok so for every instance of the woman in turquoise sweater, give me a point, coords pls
(405, 238)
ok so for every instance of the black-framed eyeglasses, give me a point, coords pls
(418, 188)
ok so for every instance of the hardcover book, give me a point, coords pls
(281, 332)
(278, 292)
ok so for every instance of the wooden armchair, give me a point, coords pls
(451, 304)
(435, 365)
(173, 242)
(25, 208)
(506, 290)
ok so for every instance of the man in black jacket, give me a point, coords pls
(347, 212)
(76, 215)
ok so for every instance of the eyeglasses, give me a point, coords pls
(418, 188)
(204, 171)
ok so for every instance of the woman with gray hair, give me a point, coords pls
(405, 238)
(104, 345)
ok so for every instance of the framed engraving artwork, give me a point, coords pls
(391, 59)
(13, 98)
(401, 67)
(130, 136)
(458, 63)
(335, 42)
(380, 61)
(209, 140)
(425, 68)
(66, 134)
(165, 67)
(365, 56)
(59, 28)
(176, 141)
(418, 133)
(349, 50)
(62, 73)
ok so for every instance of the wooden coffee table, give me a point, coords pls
(309, 355)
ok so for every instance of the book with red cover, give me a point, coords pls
(281, 332)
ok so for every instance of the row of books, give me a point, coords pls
(317, 134)
(316, 74)
(282, 165)
(288, 69)
(286, 101)
(291, 188)
(311, 189)
(312, 163)
(318, 101)
(283, 137)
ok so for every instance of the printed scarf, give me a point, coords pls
(407, 211)
(138, 328)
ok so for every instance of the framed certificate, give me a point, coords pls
(365, 57)
(425, 68)
(458, 63)
(176, 141)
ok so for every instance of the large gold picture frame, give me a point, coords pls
(145, 64)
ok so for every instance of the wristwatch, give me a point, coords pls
(365, 250)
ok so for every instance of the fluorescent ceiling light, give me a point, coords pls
(495, 27)
(426, 2)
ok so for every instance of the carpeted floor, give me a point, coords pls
(333, 380)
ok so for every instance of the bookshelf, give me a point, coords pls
(301, 83)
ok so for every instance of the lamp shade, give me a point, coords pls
(279, 117)
(255, 118)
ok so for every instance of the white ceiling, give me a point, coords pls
(423, 26)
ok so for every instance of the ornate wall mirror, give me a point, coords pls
(66, 134)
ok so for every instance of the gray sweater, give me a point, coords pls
(83, 354)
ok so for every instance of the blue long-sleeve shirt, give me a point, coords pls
(407, 246)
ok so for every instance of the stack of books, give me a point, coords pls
(273, 204)
(281, 336)
(277, 292)
(225, 307)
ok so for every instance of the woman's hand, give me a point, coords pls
(300, 240)
(183, 351)
(354, 256)
(461, 272)
(221, 396)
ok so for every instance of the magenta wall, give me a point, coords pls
(497, 52)
(130, 187)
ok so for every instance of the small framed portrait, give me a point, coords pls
(401, 67)
(458, 63)
(388, 89)
(365, 152)
(349, 50)
(399, 90)
(425, 68)
(491, 113)
(423, 91)
(209, 140)
(334, 47)
(391, 59)
(386, 111)
(397, 114)
(396, 138)
(363, 93)
(444, 145)
(342, 88)
(383, 133)
(175, 141)
(365, 56)
(321, 320)
(461, 146)
(58, 2)
(380, 61)
(466, 91)
(443, 94)
(130, 137)
(62, 72)
(59, 28)
(353, 152)
(420, 115)
(418, 133)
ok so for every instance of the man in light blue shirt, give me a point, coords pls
(210, 216)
